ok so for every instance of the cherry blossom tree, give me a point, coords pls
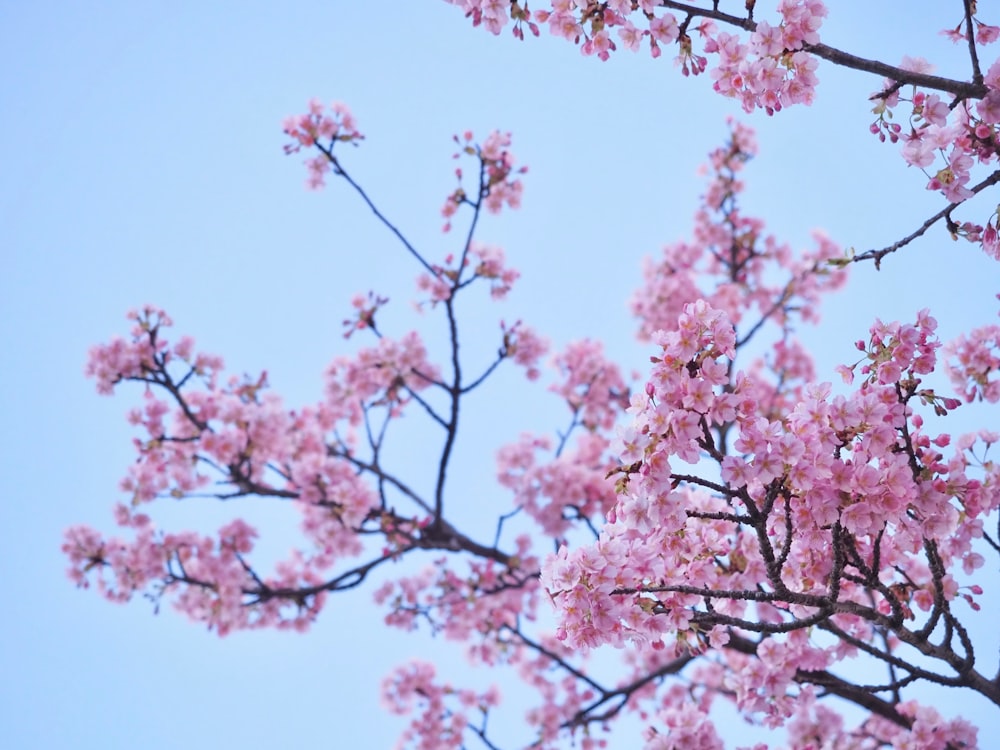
(743, 531)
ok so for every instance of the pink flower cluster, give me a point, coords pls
(946, 140)
(240, 439)
(444, 711)
(569, 486)
(686, 727)
(316, 128)
(895, 348)
(485, 608)
(385, 374)
(470, 607)
(678, 537)
(363, 317)
(984, 34)
(559, 491)
(498, 182)
(769, 65)
(816, 726)
(770, 70)
(206, 577)
(956, 141)
(524, 346)
(686, 722)
(973, 364)
(138, 358)
(591, 385)
(486, 261)
(490, 263)
(494, 14)
(735, 251)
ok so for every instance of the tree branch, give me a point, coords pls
(944, 213)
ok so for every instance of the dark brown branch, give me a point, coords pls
(970, 34)
(944, 213)
(586, 716)
(443, 536)
(378, 472)
(341, 172)
(961, 89)
(501, 355)
(722, 489)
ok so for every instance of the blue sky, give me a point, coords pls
(142, 162)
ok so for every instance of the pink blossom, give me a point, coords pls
(744, 506)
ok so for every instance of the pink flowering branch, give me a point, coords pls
(770, 65)
(864, 696)
(254, 448)
(797, 511)
(494, 189)
(960, 89)
(696, 428)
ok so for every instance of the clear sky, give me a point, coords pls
(142, 162)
